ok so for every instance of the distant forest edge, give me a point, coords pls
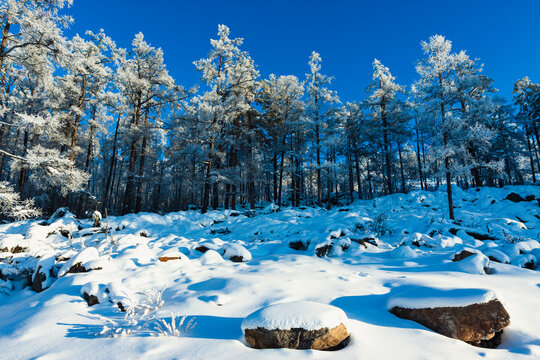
(91, 126)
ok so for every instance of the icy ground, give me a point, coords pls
(363, 272)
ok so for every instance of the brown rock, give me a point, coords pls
(202, 248)
(513, 197)
(236, 258)
(478, 324)
(90, 299)
(324, 250)
(296, 338)
(38, 279)
(299, 245)
(462, 255)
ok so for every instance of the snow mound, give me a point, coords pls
(211, 257)
(497, 255)
(420, 297)
(306, 315)
(232, 251)
(84, 256)
(403, 252)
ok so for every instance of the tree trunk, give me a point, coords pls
(418, 153)
(113, 163)
(530, 157)
(386, 148)
(138, 203)
(403, 187)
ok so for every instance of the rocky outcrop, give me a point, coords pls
(477, 324)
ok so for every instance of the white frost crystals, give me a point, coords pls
(11, 205)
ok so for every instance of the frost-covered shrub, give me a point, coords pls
(176, 326)
(12, 207)
(141, 319)
(379, 224)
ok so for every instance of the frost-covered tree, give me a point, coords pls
(230, 76)
(147, 87)
(317, 108)
(282, 107)
(527, 100)
(386, 113)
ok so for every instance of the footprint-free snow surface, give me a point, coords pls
(187, 280)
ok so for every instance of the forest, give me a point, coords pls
(88, 125)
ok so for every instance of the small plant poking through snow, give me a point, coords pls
(378, 225)
(111, 242)
(141, 319)
(176, 326)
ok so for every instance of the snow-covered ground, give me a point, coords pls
(249, 265)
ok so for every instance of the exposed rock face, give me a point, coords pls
(321, 339)
(462, 255)
(323, 250)
(299, 245)
(38, 279)
(202, 249)
(513, 197)
(90, 299)
(478, 324)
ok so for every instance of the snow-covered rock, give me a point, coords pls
(78, 262)
(296, 325)
(235, 252)
(475, 316)
(43, 273)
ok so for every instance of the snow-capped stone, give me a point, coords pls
(94, 293)
(324, 248)
(420, 297)
(464, 253)
(296, 325)
(474, 264)
(472, 315)
(235, 252)
(77, 263)
(307, 315)
(497, 255)
(42, 277)
(527, 261)
(96, 218)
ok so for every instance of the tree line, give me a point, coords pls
(89, 125)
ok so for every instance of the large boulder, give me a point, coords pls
(475, 316)
(297, 325)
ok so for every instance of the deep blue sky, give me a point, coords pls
(280, 35)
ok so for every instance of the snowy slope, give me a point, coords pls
(362, 268)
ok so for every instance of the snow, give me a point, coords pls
(217, 293)
(429, 298)
(306, 315)
(83, 257)
(211, 257)
(474, 264)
